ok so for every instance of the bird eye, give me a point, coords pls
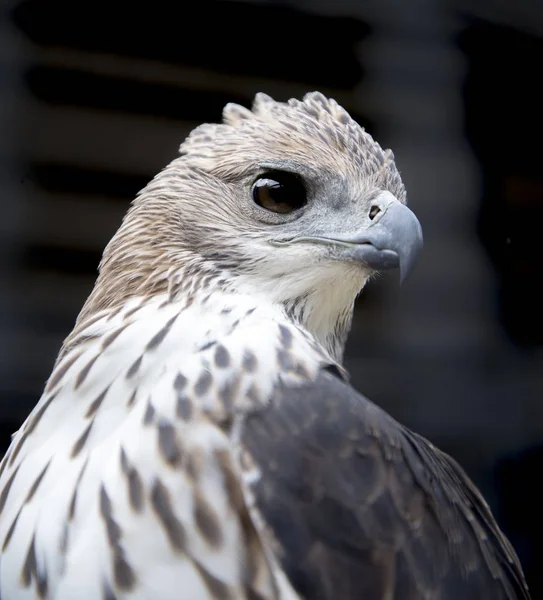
(279, 192)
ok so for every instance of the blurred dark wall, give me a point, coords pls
(95, 97)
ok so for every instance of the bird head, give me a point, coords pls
(292, 202)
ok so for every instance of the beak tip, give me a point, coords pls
(405, 271)
(407, 262)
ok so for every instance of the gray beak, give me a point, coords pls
(392, 239)
(389, 236)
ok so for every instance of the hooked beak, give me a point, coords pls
(391, 238)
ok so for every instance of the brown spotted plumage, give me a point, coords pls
(95, 404)
(168, 444)
(133, 483)
(123, 574)
(197, 437)
(80, 443)
(31, 573)
(162, 505)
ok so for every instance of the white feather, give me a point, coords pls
(85, 568)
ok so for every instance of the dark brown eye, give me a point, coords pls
(279, 192)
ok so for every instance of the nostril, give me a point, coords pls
(374, 211)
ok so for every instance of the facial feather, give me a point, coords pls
(196, 219)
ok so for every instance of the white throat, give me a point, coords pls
(321, 303)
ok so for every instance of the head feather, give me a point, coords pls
(314, 129)
(191, 217)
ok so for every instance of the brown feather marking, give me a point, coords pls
(95, 405)
(111, 337)
(132, 398)
(63, 545)
(133, 482)
(7, 487)
(86, 323)
(123, 573)
(60, 371)
(249, 361)
(168, 444)
(132, 311)
(149, 413)
(158, 338)
(217, 589)
(108, 593)
(253, 594)
(112, 529)
(203, 384)
(134, 368)
(83, 338)
(71, 508)
(125, 466)
(184, 408)
(36, 483)
(78, 446)
(115, 312)
(180, 382)
(231, 482)
(82, 375)
(195, 463)
(207, 346)
(30, 571)
(29, 567)
(173, 528)
(184, 405)
(285, 336)
(228, 392)
(222, 357)
(11, 530)
(207, 521)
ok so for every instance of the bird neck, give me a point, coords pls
(321, 318)
(325, 312)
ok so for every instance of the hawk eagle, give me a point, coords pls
(198, 437)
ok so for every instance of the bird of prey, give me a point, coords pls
(198, 438)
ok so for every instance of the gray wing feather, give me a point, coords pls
(360, 507)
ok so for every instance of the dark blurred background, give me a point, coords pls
(95, 97)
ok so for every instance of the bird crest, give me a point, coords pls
(316, 128)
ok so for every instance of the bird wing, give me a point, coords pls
(357, 506)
